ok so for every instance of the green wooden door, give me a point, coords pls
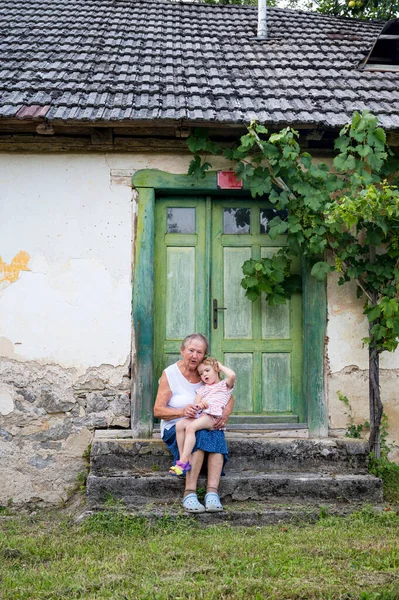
(262, 344)
(200, 246)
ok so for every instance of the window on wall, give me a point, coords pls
(384, 55)
(180, 220)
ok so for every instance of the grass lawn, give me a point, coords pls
(117, 556)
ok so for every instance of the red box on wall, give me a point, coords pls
(227, 180)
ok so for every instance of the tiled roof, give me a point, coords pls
(145, 60)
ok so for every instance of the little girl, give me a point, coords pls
(211, 398)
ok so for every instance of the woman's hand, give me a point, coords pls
(222, 421)
(190, 411)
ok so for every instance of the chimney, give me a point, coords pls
(262, 20)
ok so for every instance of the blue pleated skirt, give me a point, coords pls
(209, 441)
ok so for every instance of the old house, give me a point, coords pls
(111, 253)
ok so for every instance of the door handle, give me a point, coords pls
(215, 312)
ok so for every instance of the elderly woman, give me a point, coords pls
(175, 397)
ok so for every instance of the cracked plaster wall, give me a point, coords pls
(347, 365)
(65, 312)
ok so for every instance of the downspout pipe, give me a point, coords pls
(262, 20)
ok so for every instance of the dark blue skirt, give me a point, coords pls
(209, 441)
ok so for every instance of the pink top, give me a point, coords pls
(217, 395)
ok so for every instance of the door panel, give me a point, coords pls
(180, 278)
(242, 364)
(199, 254)
(275, 319)
(276, 382)
(238, 311)
(181, 288)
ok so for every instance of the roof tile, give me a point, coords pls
(112, 60)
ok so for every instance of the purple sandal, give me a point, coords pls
(180, 468)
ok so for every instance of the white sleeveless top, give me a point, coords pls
(183, 392)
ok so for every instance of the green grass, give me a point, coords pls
(115, 556)
(389, 473)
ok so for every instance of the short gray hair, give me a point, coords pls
(195, 336)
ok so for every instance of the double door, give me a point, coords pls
(200, 247)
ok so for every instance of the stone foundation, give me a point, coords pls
(48, 415)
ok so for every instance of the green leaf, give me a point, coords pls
(274, 196)
(233, 154)
(295, 228)
(350, 163)
(376, 140)
(378, 332)
(292, 284)
(261, 129)
(249, 282)
(212, 148)
(380, 135)
(320, 269)
(260, 184)
(243, 171)
(248, 268)
(277, 227)
(275, 138)
(342, 143)
(363, 150)
(276, 299)
(313, 202)
(252, 295)
(389, 306)
(373, 313)
(376, 160)
(339, 162)
(306, 160)
(197, 141)
(265, 286)
(356, 117)
(374, 237)
(247, 141)
(196, 169)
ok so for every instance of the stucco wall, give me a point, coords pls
(347, 364)
(66, 237)
(66, 241)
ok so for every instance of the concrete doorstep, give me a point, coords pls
(241, 514)
(259, 470)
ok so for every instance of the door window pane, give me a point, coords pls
(267, 214)
(236, 220)
(180, 220)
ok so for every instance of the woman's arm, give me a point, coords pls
(228, 409)
(161, 408)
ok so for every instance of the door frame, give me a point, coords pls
(148, 183)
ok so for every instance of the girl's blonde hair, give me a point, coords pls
(209, 360)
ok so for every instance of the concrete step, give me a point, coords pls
(244, 514)
(116, 453)
(237, 486)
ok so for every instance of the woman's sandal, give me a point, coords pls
(212, 502)
(180, 468)
(192, 504)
